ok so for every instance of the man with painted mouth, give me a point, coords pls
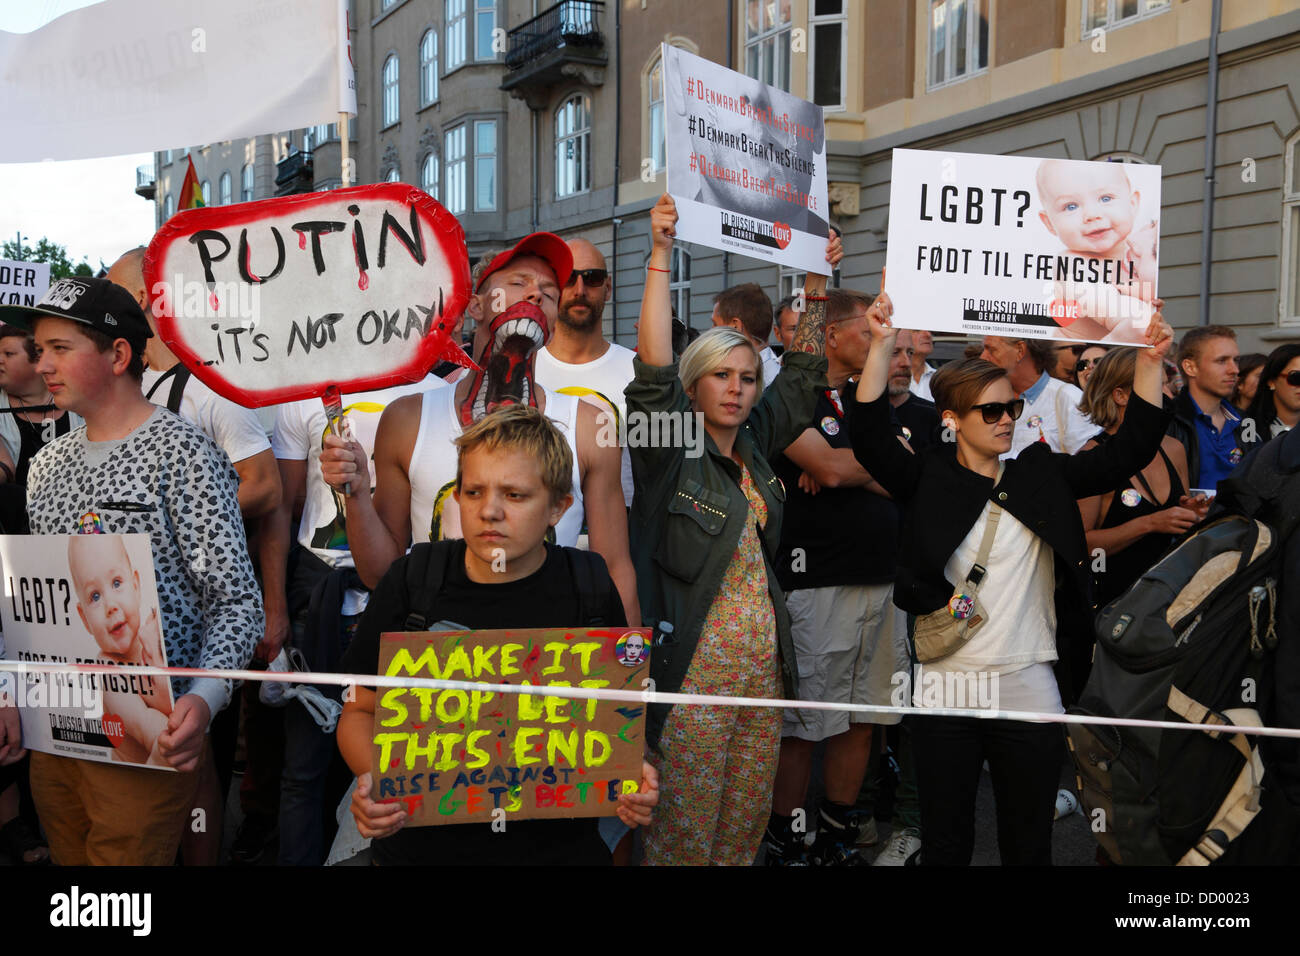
(514, 308)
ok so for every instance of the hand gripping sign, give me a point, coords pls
(285, 299)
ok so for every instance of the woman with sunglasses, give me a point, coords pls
(1276, 407)
(1088, 360)
(1037, 568)
(1135, 522)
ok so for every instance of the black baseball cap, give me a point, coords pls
(104, 306)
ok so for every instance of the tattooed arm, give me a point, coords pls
(810, 332)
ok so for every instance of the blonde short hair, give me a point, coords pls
(528, 430)
(710, 350)
(1113, 370)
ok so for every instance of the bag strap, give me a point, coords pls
(975, 576)
(594, 588)
(180, 376)
(426, 570)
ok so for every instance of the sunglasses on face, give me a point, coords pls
(1292, 378)
(589, 276)
(993, 411)
(1084, 364)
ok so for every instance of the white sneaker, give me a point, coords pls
(868, 833)
(1067, 804)
(903, 849)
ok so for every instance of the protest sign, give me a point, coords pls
(23, 283)
(85, 599)
(746, 164)
(275, 301)
(1023, 247)
(455, 756)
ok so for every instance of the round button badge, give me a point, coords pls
(960, 606)
(830, 426)
(1130, 497)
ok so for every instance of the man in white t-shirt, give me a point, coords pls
(234, 428)
(578, 359)
(319, 548)
(1051, 412)
(747, 309)
(516, 295)
(922, 371)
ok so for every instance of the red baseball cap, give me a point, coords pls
(544, 245)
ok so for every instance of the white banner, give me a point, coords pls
(746, 164)
(85, 599)
(129, 76)
(23, 283)
(1023, 247)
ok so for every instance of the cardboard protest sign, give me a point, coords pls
(23, 283)
(85, 599)
(455, 756)
(1023, 247)
(275, 301)
(746, 164)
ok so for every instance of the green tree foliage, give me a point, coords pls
(46, 251)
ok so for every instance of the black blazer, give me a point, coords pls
(942, 500)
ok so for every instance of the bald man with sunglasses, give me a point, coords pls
(578, 359)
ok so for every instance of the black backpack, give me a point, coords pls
(1191, 640)
(426, 571)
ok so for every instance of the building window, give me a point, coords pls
(826, 60)
(246, 183)
(167, 156)
(485, 23)
(573, 146)
(429, 175)
(485, 166)
(457, 25)
(1103, 14)
(309, 139)
(391, 100)
(959, 40)
(767, 42)
(386, 4)
(454, 154)
(789, 282)
(679, 283)
(394, 176)
(206, 189)
(655, 101)
(429, 67)
(169, 207)
(1290, 299)
(224, 189)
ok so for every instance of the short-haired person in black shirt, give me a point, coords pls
(917, 418)
(513, 484)
(847, 637)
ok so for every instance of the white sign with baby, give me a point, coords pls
(1023, 247)
(85, 599)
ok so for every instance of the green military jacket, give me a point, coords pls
(688, 513)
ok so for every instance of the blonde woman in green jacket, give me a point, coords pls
(705, 522)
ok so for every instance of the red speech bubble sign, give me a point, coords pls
(275, 301)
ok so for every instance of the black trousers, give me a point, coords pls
(1025, 763)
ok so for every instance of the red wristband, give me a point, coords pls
(655, 269)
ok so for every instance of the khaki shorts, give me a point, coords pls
(849, 641)
(110, 814)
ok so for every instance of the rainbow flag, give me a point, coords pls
(191, 196)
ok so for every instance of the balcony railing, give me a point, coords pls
(145, 186)
(569, 24)
(294, 174)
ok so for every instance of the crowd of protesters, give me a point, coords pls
(846, 481)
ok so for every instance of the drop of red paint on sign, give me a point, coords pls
(363, 283)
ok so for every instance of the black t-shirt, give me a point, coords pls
(546, 598)
(847, 535)
(920, 422)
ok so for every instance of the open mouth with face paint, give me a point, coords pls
(517, 334)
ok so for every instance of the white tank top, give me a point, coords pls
(432, 469)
